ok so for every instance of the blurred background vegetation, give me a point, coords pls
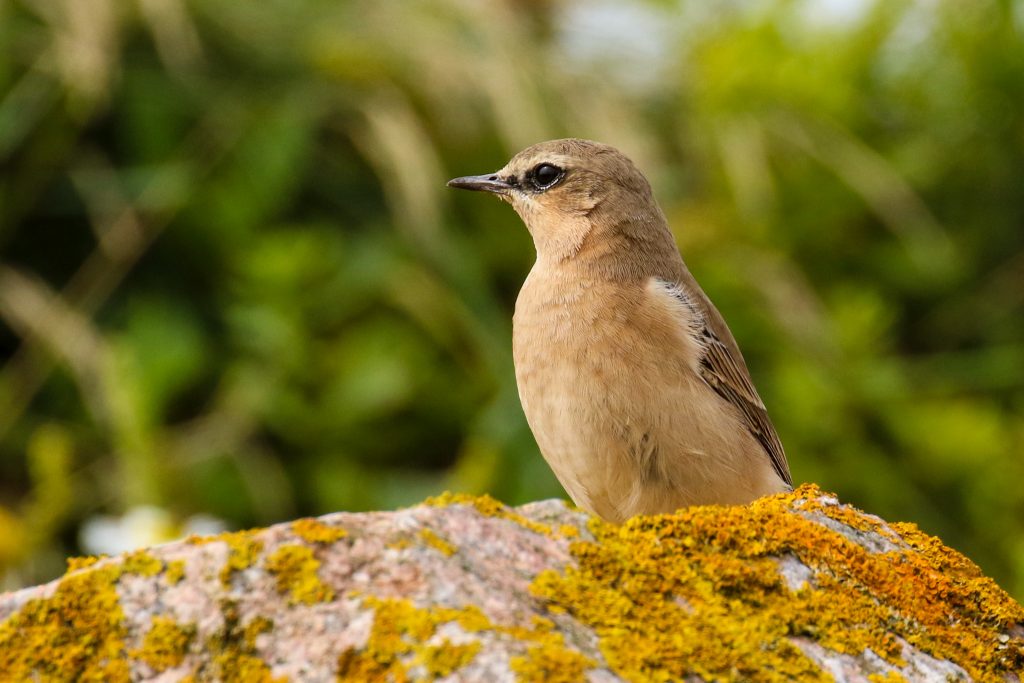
(234, 289)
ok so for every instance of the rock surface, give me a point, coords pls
(793, 587)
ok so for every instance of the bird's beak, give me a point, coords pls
(481, 183)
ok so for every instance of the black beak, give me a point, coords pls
(481, 183)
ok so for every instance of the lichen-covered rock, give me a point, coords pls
(793, 587)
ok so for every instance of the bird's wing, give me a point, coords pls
(719, 369)
(722, 367)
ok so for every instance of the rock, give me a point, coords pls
(795, 586)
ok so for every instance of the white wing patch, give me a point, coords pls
(686, 312)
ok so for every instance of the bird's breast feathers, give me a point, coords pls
(613, 381)
(603, 356)
(589, 326)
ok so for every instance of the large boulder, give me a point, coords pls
(792, 587)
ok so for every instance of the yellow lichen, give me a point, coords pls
(315, 531)
(398, 637)
(76, 563)
(489, 507)
(438, 543)
(75, 634)
(890, 677)
(445, 659)
(193, 539)
(175, 572)
(233, 654)
(694, 593)
(398, 648)
(399, 544)
(551, 664)
(165, 644)
(236, 667)
(358, 667)
(256, 627)
(243, 550)
(295, 568)
(568, 530)
(141, 563)
(699, 593)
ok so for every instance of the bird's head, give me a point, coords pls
(570, 191)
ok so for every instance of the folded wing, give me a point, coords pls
(723, 369)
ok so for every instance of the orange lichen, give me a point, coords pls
(295, 568)
(399, 650)
(489, 507)
(438, 543)
(165, 644)
(315, 531)
(700, 592)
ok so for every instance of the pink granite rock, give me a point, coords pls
(436, 592)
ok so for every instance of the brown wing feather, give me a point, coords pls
(724, 371)
(720, 371)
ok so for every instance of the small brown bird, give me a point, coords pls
(629, 377)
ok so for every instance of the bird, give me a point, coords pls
(631, 382)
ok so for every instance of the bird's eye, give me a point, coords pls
(545, 175)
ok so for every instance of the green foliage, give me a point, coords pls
(232, 280)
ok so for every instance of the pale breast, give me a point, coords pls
(585, 364)
(606, 377)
